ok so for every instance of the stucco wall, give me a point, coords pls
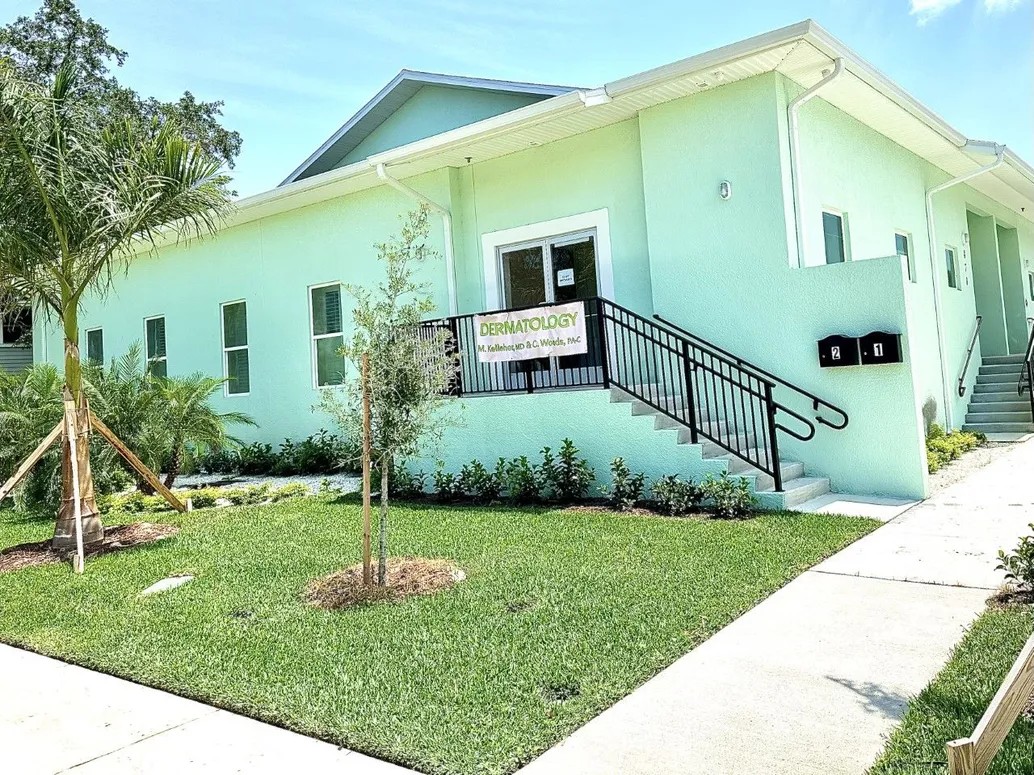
(270, 264)
(721, 269)
(594, 171)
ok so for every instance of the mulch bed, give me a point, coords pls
(1008, 597)
(407, 577)
(115, 539)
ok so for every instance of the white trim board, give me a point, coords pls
(493, 240)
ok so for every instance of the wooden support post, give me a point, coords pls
(961, 758)
(31, 460)
(149, 476)
(71, 421)
(367, 560)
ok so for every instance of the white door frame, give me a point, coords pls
(599, 220)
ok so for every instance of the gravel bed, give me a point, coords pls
(959, 469)
(344, 483)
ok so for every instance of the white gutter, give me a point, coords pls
(450, 264)
(795, 151)
(935, 272)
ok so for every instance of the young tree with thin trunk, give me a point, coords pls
(410, 365)
(81, 193)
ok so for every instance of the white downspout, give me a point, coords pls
(450, 264)
(795, 151)
(935, 274)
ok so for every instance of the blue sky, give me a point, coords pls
(292, 72)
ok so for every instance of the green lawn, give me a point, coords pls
(452, 683)
(950, 707)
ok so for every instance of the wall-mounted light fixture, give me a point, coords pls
(725, 189)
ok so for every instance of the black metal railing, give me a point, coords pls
(969, 355)
(817, 403)
(1026, 379)
(712, 393)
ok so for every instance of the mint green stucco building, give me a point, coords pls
(761, 196)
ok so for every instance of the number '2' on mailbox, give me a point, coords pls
(837, 350)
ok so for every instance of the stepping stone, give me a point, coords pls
(170, 583)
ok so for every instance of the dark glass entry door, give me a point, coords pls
(554, 270)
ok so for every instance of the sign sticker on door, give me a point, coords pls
(564, 277)
(540, 332)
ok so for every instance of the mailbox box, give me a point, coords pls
(880, 347)
(837, 350)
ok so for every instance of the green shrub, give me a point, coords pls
(127, 502)
(1019, 565)
(626, 488)
(256, 459)
(446, 486)
(247, 496)
(523, 484)
(290, 490)
(568, 476)
(942, 448)
(204, 497)
(479, 484)
(677, 496)
(407, 485)
(728, 498)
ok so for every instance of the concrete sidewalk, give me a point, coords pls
(813, 680)
(56, 717)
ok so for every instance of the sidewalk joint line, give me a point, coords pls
(900, 581)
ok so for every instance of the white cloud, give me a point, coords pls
(997, 6)
(926, 10)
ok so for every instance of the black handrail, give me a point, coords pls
(1027, 370)
(816, 401)
(969, 355)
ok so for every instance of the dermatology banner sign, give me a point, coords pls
(531, 333)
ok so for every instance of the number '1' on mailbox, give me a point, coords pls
(837, 350)
(880, 347)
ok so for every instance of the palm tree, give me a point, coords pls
(187, 423)
(82, 192)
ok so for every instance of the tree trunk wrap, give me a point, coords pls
(65, 529)
(382, 539)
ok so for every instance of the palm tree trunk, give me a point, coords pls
(382, 538)
(65, 527)
(175, 464)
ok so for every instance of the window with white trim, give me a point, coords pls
(328, 365)
(95, 345)
(903, 247)
(236, 362)
(833, 237)
(951, 261)
(154, 337)
(16, 328)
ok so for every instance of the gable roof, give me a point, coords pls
(389, 99)
(801, 52)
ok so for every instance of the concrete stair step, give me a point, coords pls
(795, 492)
(996, 359)
(982, 417)
(998, 386)
(1000, 427)
(1001, 368)
(1006, 397)
(997, 407)
(992, 379)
